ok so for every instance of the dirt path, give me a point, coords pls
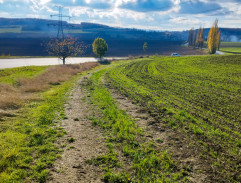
(81, 143)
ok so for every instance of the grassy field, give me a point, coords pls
(230, 44)
(10, 30)
(230, 48)
(11, 76)
(233, 50)
(196, 96)
(31, 104)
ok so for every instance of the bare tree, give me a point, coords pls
(191, 38)
(200, 38)
(65, 47)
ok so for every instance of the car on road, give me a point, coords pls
(175, 55)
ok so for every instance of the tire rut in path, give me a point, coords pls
(88, 142)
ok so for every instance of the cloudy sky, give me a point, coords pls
(142, 14)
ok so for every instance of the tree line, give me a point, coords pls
(197, 39)
(67, 47)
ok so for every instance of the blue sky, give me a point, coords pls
(142, 14)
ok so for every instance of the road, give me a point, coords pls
(219, 53)
(11, 63)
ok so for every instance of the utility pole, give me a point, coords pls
(60, 16)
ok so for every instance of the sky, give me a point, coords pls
(173, 15)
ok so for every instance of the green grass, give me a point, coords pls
(28, 134)
(146, 161)
(230, 44)
(10, 30)
(27, 149)
(234, 50)
(72, 31)
(19, 30)
(229, 48)
(11, 76)
(198, 96)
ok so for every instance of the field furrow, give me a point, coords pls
(200, 96)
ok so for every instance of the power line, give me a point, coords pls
(60, 21)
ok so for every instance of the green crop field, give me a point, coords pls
(161, 120)
(73, 31)
(199, 97)
(234, 50)
(230, 44)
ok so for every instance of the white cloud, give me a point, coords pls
(113, 14)
(188, 23)
(232, 7)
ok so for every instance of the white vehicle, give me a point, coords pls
(175, 55)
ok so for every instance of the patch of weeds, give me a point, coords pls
(197, 131)
(84, 99)
(71, 140)
(110, 147)
(172, 123)
(62, 115)
(63, 146)
(238, 143)
(58, 156)
(159, 141)
(61, 170)
(216, 164)
(109, 160)
(41, 177)
(170, 112)
(70, 147)
(128, 151)
(76, 119)
(111, 177)
(95, 121)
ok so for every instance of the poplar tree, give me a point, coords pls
(190, 37)
(214, 38)
(218, 42)
(200, 38)
(194, 39)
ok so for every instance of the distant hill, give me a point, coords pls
(37, 28)
(42, 28)
(27, 37)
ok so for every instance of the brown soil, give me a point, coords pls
(88, 143)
